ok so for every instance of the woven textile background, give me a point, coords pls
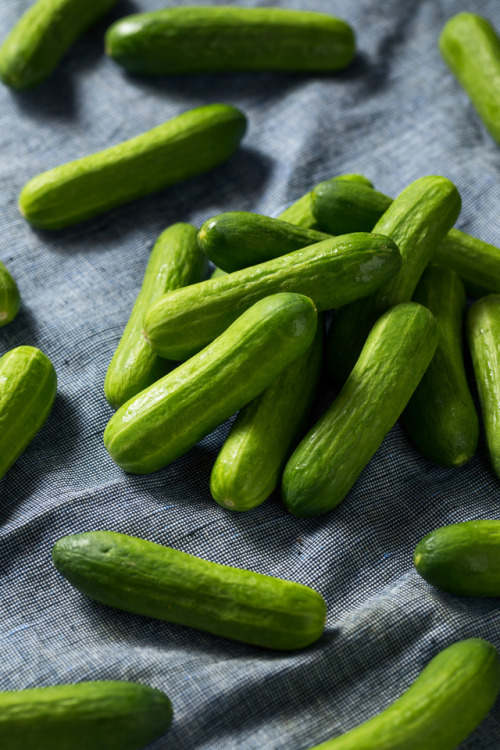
(395, 115)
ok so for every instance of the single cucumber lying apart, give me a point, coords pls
(10, 300)
(447, 701)
(199, 39)
(180, 148)
(89, 715)
(149, 579)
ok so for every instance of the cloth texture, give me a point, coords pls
(394, 115)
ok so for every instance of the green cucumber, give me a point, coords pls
(238, 239)
(483, 333)
(107, 715)
(42, 37)
(146, 578)
(185, 146)
(175, 261)
(197, 39)
(441, 417)
(250, 463)
(446, 702)
(463, 558)
(28, 385)
(417, 221)
(172, 415)
(471, 48)
(328, 461)
(332, 273)
(10, 300)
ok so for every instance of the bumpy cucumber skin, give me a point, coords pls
(447, 701)
(225, 38)
(441, 417)
(108, 715)
(476, 262)
(185, 146)
(10, 299)
(483, 334)
(327, 462)
(28, 385)
(332, 273)
(238, 239)
(146, 578)
(471, 48)
(249, 465)
(42, 37)
(168, 418)
(175, 261)
(417, 221)
(341, 207)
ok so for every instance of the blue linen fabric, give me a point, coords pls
(394, 115)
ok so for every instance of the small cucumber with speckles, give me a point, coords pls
(168, 418)
(175, 261)
(10, 300)
(28, 385)
(446, 702)
(185, 146)
(146, 578)
(107, 715)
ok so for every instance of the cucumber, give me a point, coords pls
(463, 558)
(441, 417)
(180, 148)
(28, 385)
(332, 273)
(483, 333)
(10, 300)
(471, 48)
(42, 37)
(168, 418)
(250, 463)
(146, 578)
(327, 462)
(417, 221)
(109, 715)
(175, 261)
(238, 239)
(340, 207)
(196, 39)
(447, 701)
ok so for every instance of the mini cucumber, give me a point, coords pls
(327, 462)
(250, 463)
(197, 39)
(483, 333)
(110, 715)
(187, 145)
(146, 578)
(10, 300)
(417, 221)
(175, 261)
(446, 702)
(168, 418)
(42, 37)
(471, 48)
(441, 417)
(28, 385)
(332, 273)
(463, 558)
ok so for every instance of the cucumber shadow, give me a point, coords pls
(22, 331)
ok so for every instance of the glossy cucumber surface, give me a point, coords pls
(331, 273)
(197, 39)
(187, 145)
(10, 300)
(446, 702)
(175, 261)
(109, 715)
(42, 37)
(149, 579)
(329, 459)
(28, 385)
(168, 418)
(340, 207)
